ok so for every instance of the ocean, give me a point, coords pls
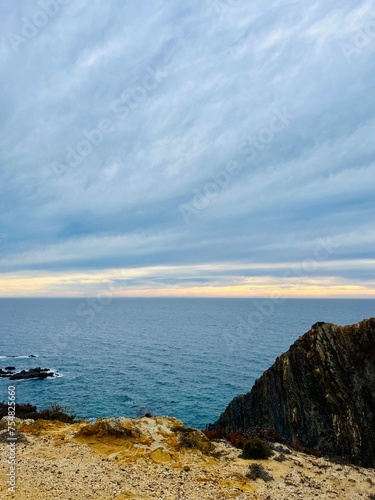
(180, 357)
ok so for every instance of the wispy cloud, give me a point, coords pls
(226, 67)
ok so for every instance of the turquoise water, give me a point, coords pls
(182, 357)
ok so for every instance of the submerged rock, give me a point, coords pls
(319, 394)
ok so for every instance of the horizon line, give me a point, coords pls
(98, 296)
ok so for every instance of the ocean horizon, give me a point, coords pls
(182, 357)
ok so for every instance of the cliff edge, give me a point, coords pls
(320, 393)
(158, 458)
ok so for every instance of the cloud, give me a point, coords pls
(219, 81)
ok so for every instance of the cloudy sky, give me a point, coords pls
(200, 148)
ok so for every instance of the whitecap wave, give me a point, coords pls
(30, 356)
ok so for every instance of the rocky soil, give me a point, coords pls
(157, 458)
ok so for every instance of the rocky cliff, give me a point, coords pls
(320, 393)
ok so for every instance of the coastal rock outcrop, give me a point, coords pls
(40, 373)
(319, 394)
(160, 438)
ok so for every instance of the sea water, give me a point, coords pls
(181, 357)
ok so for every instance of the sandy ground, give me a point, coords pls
(60, 461)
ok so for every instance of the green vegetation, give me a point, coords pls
(256, 448)
(238, 439)
(192, 439)
(53, 412)
(258, 471)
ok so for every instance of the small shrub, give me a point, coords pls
(216, 434)
(57, 412)
(53, 412)
(258, 471)
(256, 448)
(22, 410)
(236, 439)
(192, 439)
(271, 435)
(188, 440)
(298, 446)
(314, 453)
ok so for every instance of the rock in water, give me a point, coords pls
(321, 393)
(40, 373)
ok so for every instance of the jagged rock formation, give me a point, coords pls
(320, 393)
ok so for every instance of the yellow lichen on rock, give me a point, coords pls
(142, 459)
(160, 456)
(238, 484)
(163, 439)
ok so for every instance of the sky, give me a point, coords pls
(217, 148)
